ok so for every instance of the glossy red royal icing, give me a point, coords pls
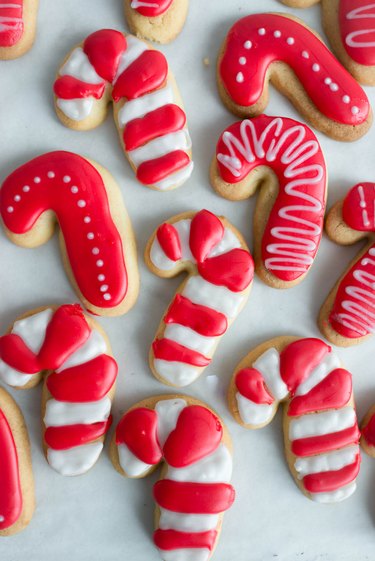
(167, 349)
(168, 540)
(73, 189)
(10, 486)
(193, 498)
(138, 430)
(357, 28)
(250, 383)
(151, 8)
(168, 238)
(330, 480)
(206, 231)
(11, 22)
(294, 228)
(368, 431)
(68, 87)
(157, 169)
(203, 320)
(326, 443)
(62, 438)
(257, 41)
(104, 49)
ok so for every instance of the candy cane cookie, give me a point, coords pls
(321, 434)
(17, 27)
(194, 490)
(16, 477)
(96, 238)
(73, 355)
(368, 432)
(156, 20)
(275, 47)
(220, 272)
(111, 67)
(282, 157)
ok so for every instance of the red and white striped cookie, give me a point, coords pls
(220, 269)
(156, 20)
(194, 490)
(17, 27)
(368, 432)
(347, 317)
(109, 66)
(75, 354)
(320, 422)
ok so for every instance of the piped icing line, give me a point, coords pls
(294, 227)
(255, 42)
(78, 387)
(195, 489)
(220, 271)
(11, 22)
(151, 8)
(357, 28)
(321, 430)
(152, 123)
(73, 189)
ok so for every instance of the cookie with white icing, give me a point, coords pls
(17, 27)
(156, 20)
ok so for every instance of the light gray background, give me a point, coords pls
(101, 515)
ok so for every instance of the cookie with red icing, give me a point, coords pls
(156, 20)
(109, 67)
(17, 27)
(347, 317)
(321, 433)
(194, 490)
(282, 157)
(368, 432)
(16, 478)
(281, 49)
(220, 272)
(71, 354)
(96, 236)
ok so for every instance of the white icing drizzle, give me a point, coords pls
(74, 461)
(61, 413)
(317, 424)
(357, 14)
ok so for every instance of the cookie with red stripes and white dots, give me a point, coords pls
(321, 433)
(72, 354)
(111, 67)
(194, 490)
(17, 27)
(156, 20)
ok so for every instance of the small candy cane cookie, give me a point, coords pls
(368, 432)
(220, 273)
(156, 20)
(281, 49)
(17, 27)
(194, 490)
(320, 424)
(80, 372)
(96, 237)
(16, 477)
(347, 317)
(284, 158)
(110, 67)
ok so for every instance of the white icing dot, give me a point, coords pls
(362, 204)
(240, 77)
(90, 236)
(328, 81)
(74, 189)
(26, 188)
(10, 209)
(277, 34)
(17, 198)
(262, 31)
(2, 518)
(101, 278)
(247, 45)
(334, 87)
(290, 41)
(37, 180)
(305, 54)
(355, 110)
(81, 203)
(104, 288)
(242, 60)
(67, 178)
(346, 99)
(87, 220)
(99, 263)
(107, 296)
(316, 67)
(95, 250)
(51, 174)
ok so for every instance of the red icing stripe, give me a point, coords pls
(169, 241)
(155, 170)
(161, 121)
(155, 7)
(250, 384)
(138, 430)
(89, 381)
(206, 231)
(299, 359)
(12, 27)
(193, 498)
(147, 73)
(64, 437)
(332, 480)
(10, 486)
(168, 540)
(331, 393)
(15, 353)
(201, 319)
(368, 432)
(68, 87)
(234, 269)
(104, 49)
(325, 443)
(166, 349)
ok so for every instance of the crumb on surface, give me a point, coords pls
(206, 61)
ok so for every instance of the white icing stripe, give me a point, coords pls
(317, 424)
(92, 348)
(168, 411)
(329, 363)
(76, 109)
(158, 257)
(175, 179)
(332, 461)
(140, 106)
(132, 466)
(79, 66)
(143, 4)
(134, 48)
(252, 413)
(13, 377)
(215, 468)
(190, 339)
(33, 329)
(176, 373)
(74, 461)
(228, 242)
(61, 413)
(187, 522)
(335, 496)
(161, 146)
(268, 365)
(219, 298)
(184, 554)
(183, 230)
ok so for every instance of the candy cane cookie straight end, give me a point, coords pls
(194, 490)
(73, 355)
(220, 272)
(347, 317)
(368, 432)
(17, 27)
(159, 21)
(17, 500)
(111, 67)
(281, 49)
(96, 236)
(321, 434)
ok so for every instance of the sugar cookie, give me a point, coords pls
(368, 432)
(17, 27)
(156, 20)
